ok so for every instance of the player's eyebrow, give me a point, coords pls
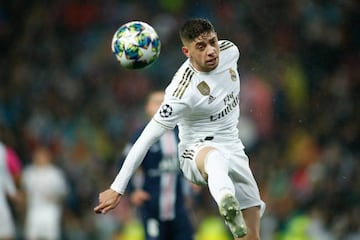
(205, 38)
(200, 43)
(212, 39)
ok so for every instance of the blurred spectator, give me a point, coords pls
(8, 191)
(45, 188)
(13, 160)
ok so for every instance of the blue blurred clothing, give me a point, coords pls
(164, 215)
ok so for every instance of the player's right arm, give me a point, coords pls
(168, 115)
(110, 198)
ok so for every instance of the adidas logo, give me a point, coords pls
(211, 99)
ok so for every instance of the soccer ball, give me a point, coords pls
(136, 45)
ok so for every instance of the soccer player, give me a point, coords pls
(203, 101)
(157, 188)
(45, 187)
(7, 190)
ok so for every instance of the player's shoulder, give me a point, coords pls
(181, 81)
(229, 48)
(185, 72)
(227, 44)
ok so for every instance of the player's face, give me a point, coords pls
(203, 52)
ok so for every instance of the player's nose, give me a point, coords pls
(212, 51)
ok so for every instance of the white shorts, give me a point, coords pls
(246, 188)
(43, 223)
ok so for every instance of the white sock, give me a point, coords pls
(217, 169)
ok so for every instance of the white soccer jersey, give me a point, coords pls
(205, 105)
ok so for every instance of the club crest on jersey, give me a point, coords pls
(232, 74)
(166, 111)
(204, 89)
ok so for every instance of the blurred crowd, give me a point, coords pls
(61, 88)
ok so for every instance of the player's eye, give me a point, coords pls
(200, 46)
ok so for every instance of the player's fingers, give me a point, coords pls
(98, 211)
(104, 207)
(99, 208)
(107, 209)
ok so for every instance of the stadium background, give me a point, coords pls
(300, 71)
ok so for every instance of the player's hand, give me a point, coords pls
(139, 197)
(108, 200)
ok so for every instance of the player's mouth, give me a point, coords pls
(212, 61)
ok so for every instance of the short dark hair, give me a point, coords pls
(195, 27)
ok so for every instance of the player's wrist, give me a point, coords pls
(116, 191)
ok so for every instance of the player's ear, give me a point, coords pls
(186, 51)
